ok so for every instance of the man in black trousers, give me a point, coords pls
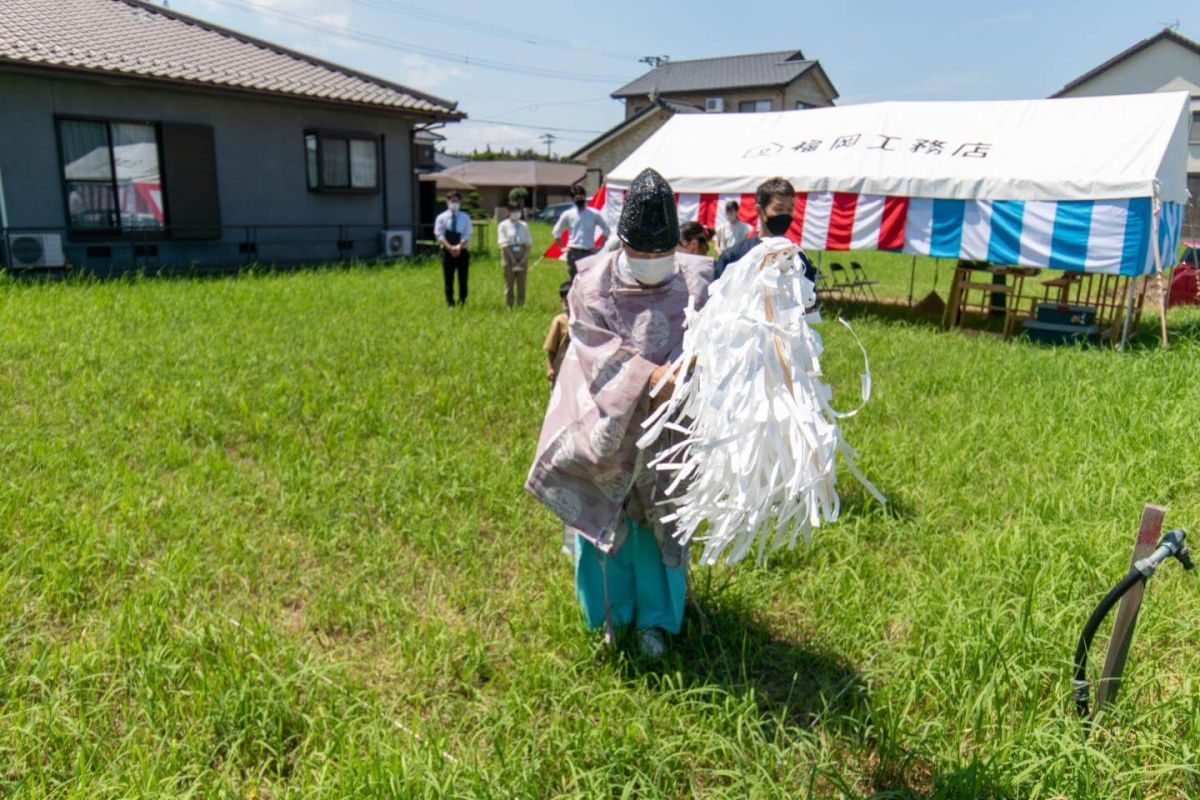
(452, 229)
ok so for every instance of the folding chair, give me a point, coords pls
(864, 282)
(839, 279)
(822, 282)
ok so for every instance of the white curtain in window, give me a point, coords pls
(335, 163)
(310, 154)
(362, 163)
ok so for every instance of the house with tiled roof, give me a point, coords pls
(1168, 61)
(136, 137)
(776, 81)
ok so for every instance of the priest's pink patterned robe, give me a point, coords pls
(588, 469)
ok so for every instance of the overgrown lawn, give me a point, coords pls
(266, 536)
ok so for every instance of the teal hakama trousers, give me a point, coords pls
(641, 590)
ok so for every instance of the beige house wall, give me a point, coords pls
(603, 159)
(1164, 66)
(806, 88)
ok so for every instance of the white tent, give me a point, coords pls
(1093, 184)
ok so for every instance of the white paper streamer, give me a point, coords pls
(757, 461)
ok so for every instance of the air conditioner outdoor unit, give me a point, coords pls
(396, 243)
(715, 104)
(35, 250)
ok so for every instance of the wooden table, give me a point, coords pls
(964, 283)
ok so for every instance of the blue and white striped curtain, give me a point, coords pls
(1109, 236)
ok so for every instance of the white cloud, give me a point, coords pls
(465, 137)
(422, 74)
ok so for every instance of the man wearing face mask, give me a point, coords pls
(775, 202)
(452, 229)
(627, 312)
(581, 222)
(513, 237)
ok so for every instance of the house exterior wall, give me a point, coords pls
(805, 88)
(1164, 66)
(603, 159)
(260, 166)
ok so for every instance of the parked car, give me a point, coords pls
(1191, 254)
(552, 212)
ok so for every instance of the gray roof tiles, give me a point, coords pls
(729, 72)
(131, 37)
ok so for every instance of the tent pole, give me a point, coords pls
(1128, 313)
(1164, 289)
(912, 277)
(1158, 267)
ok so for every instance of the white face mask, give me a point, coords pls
(514, 215)
(453, 207)
(732, 216)
(650, 270)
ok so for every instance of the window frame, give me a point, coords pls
(117, 231)
(347, 136)
(1194, 128)
(756, 110)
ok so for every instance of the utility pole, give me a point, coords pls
(548, 138)
(654, 61)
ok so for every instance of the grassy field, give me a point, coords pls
(265, 537)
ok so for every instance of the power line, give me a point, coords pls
(536, 106)
(531, 127)
(548, 138)
(490, 29)
(394, 44)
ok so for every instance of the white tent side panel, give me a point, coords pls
(1061, 149)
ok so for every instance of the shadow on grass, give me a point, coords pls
(1146, 337)
(722, 646)
(798, 684)
(897, 313)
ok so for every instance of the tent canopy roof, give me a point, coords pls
(1060, 149)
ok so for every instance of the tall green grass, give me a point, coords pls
(265, 536)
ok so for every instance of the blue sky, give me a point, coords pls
(872, 50)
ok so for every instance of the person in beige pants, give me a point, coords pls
(515, 242)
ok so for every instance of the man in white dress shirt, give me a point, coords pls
(452, 229)
(582, 223)
(514, 239)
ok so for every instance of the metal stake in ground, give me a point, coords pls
(1127, 612)
(1171, 545)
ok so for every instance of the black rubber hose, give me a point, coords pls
(1082, 691)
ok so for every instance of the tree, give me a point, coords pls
(473, 204)
(524, 154)
(518, 195)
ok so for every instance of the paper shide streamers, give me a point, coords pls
(755, 456)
